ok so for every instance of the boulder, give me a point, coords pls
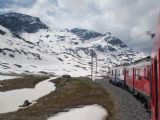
(25, 104)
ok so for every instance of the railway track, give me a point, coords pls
(127, 106)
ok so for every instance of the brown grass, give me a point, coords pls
(69, 93)
(23, 82)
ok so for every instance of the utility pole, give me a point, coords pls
(108, 68)
(96, 66)
(91, 67)
(93, 55)
(150, 34)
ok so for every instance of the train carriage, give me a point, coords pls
(137, 77)
(143, 77)
(117, 75)
(155, 81)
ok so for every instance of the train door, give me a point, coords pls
(133, 80)
(156, 87)
(158, 84)
(155, 97)
(154, 92)
(125, 74)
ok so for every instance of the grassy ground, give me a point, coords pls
(69, 93)
(23, 82)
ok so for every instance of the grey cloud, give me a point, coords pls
(123, 18)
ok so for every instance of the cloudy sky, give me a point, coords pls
(126, 19)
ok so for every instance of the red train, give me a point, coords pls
(142, 78)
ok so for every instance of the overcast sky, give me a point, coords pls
(126, 19)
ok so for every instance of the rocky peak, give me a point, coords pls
(18, 23)
(85, 34)
(109, 38)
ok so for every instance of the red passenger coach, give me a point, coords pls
(138, 79)
(142, 78)
(155, 81)
(130, 78)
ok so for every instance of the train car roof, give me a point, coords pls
(141, 62)
(146, 59)
(138, 63)
(120, 66)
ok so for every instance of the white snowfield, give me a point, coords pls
(11, 100)
(58, 52)
(90, 112)
(4, 77)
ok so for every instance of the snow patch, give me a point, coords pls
(11, 100)
(90, 112)
(3, 77)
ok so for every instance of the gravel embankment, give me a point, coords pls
(128, 107)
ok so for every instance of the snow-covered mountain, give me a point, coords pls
(18, 23)
(43, 50)
(85, 34)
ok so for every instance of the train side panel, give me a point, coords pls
(129, 78)
(120, 76)
(112, 75)
(158, 77)
(142, 82)
(137, 77)
(155, 86)
(117, 75)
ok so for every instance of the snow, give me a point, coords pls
(5, 29)
(90, 112)
(53, 44)
(4, 77)
(11, 100)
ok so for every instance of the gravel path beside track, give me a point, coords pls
(127, 106)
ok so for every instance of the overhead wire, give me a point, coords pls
(140, 37)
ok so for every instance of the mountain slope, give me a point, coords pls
(85, 34)
(18, 23)
(61, 51)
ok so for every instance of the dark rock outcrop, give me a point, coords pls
(18, 23)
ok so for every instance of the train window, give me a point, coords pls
(136, 74)
(145, 73)
(139, 73)
(117, 72)
(157, 91)
(126, 73)
(120, 72)
(129, 72)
